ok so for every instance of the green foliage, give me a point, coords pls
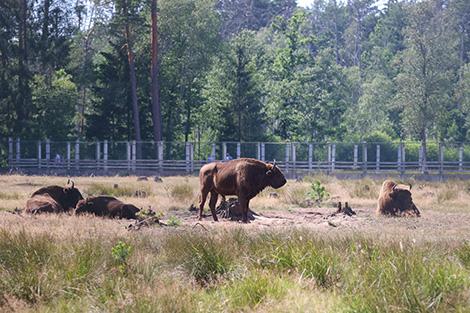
(235, 71)
(173, 221)
(317, 192)
(121, 252)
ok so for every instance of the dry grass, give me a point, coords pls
(64, 263)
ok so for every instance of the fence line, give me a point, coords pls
(294, 158)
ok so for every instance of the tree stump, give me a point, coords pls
(231, 210)
(346, 210)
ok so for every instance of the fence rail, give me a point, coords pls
(295, 159)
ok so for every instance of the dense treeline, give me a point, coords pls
(241, 70)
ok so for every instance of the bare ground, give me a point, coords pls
(445, 217)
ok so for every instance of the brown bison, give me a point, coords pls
(106, 206)
(54, 199)
(243, 178)
(42, 204)
(395, 199)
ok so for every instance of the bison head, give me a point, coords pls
(275, 177)
(84, 206)
(72, 195)
(402, 200)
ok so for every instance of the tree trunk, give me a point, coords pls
(24, 93)
(424, 169)
(133, 82)
(155, 94)
(45, 42)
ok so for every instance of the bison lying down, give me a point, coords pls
(106, 206)
(396, 200)
(53, 199)
(243, 178)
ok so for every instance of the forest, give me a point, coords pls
(235, 70)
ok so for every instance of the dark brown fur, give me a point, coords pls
(396, 200)
(66, 197)
(106, 206)
(42, 204)
(243, 178)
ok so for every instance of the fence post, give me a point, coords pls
(294, 159)
(105, 155)
(333, 157)
(98, 154)
(328, 166)
(68, 155)
(134, 154)
(39, 154)
(224, 150)
(263, 152)
(128, 150)
(77, 154)
(441, 159)
(377, 158)
(48, 152)
(399, 158)
(356, 148)
(18, 149)
(191, 156)
(364, 157)
(310, 156)
(239, 150)
(258, 151)
(403, 158)
(420, 157)
(10, 150)
(460, 158)
(160, 156)
(187, 156)
(213, 153)
(286, 157)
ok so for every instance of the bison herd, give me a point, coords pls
(244, 178)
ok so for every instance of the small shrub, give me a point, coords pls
(173, 221)
(317, 192)
(182, 192)
(120, 253)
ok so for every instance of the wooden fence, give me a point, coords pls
(185, 158)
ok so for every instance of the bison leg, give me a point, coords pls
(212, 203)
(244, 207)
(202, 202)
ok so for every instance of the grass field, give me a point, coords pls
(296, 258)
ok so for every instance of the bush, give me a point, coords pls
(317, 192)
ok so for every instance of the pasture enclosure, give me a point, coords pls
(294, 158)
(297, 258)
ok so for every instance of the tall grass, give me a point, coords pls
(230, 271)
(96, 189)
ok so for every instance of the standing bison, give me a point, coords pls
(395, 199)
(243, 178)
(53, 199)
(106, 206)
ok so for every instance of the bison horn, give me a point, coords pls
(68, 181)
(410, 185)
(73, 184)
(274, 163)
